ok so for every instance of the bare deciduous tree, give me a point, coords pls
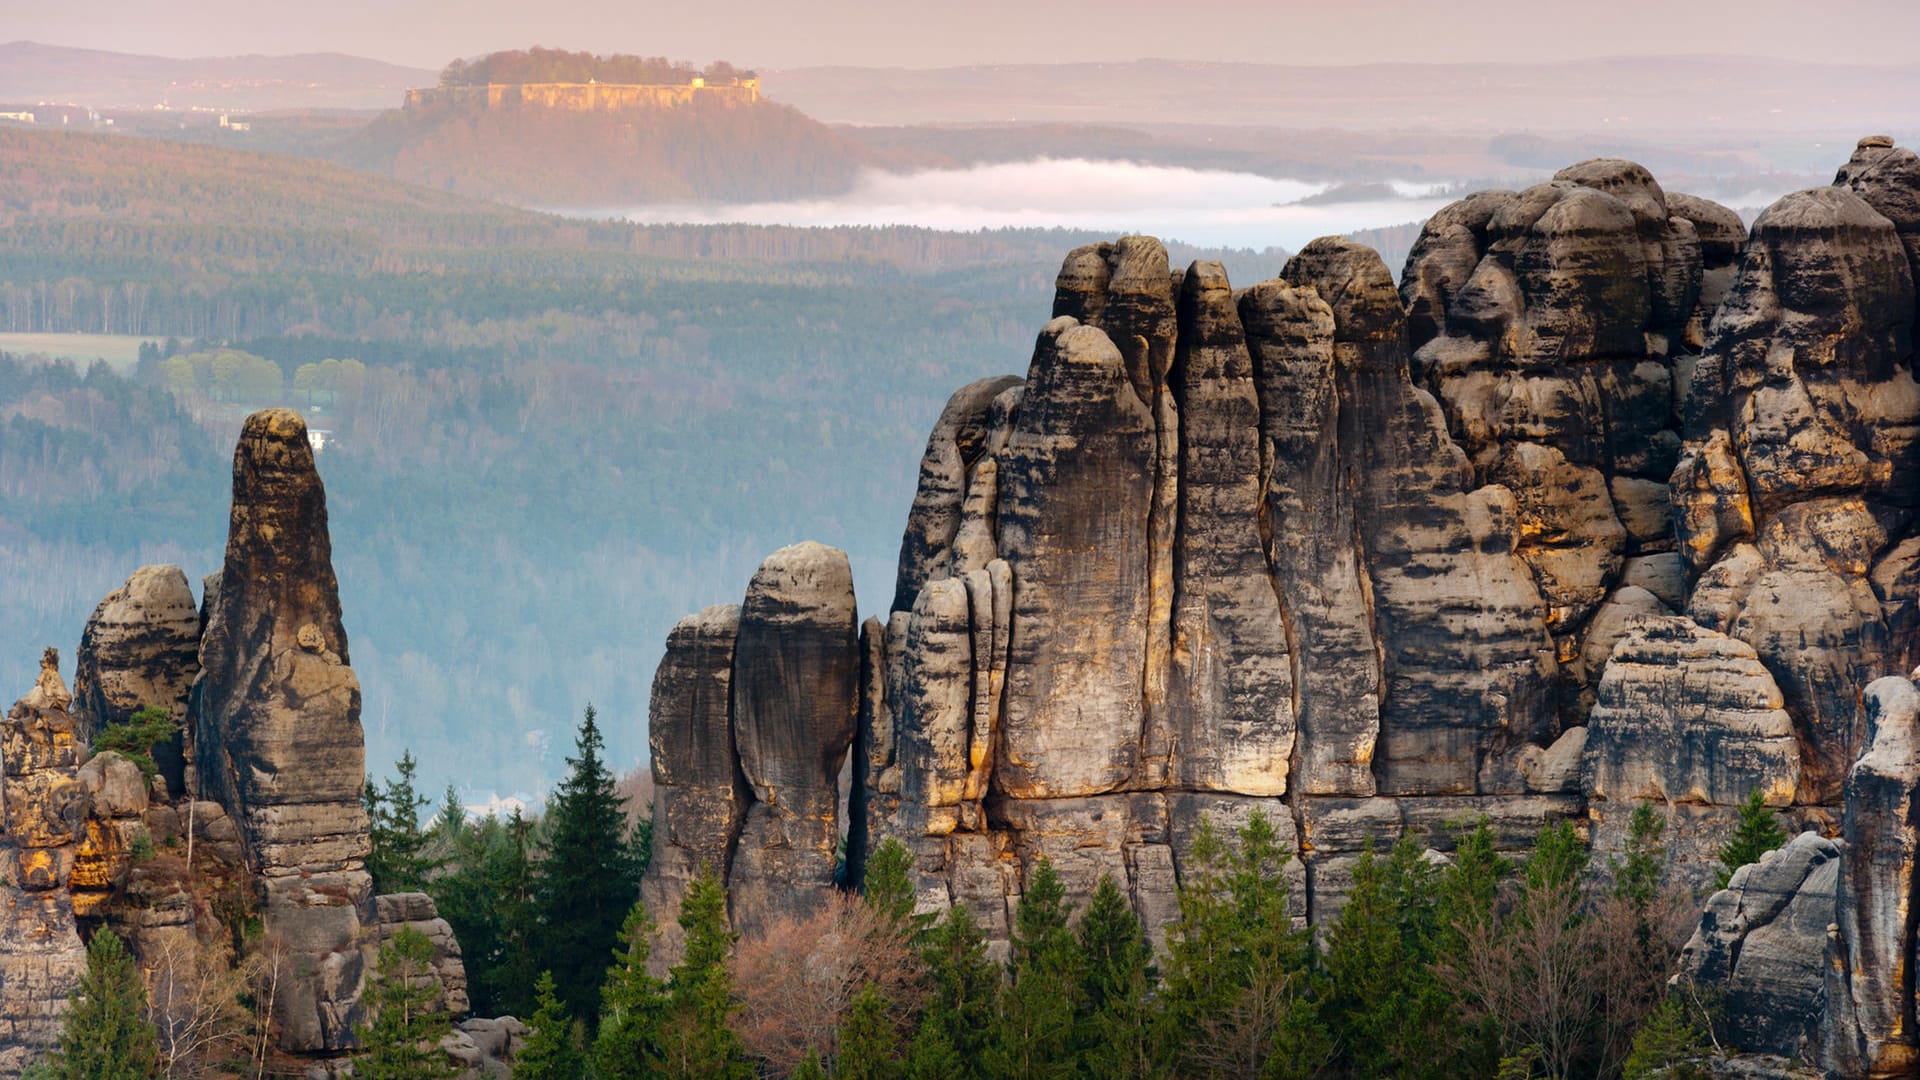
(797, 982)
(194, 1000)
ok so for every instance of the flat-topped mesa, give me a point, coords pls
(275, 722)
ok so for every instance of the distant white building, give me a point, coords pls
(318, 438)
(19, 117)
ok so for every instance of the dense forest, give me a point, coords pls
(1452, 962)
(537, 461)
(538, 65)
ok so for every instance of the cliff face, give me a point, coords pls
(259, 798)
(1607, 501)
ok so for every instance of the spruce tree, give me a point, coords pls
(451, 823)
(697, 1042)
(585, 881)
(1392, 1015)
(1034, 1036)
(869, 1041)
(962, 984)
(106, 1035)
(1757, 832)
(1469, 890)
(1668, 1045)
(633, 1007)
(1238, 973)
(403, 1040)
(398, 861)
(1637, 877)
(888, 887)
(550, 1052)
(1113, 1030)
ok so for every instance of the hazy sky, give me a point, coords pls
(930, 33)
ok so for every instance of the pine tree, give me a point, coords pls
(809, 1068)
(106, 1035)
(1238, 995)
(398, 861)
(1757, 832)
(1468, 892)
(1034, 1036)
(586, 884)
(1668, 1045)
(697, 1042)
(550, 1052)
(403, 1039)
(869, 1041)
(1393, 1016)
(888, 888)
(451, 823)
(958, 1018)
(633, 1007)
(1113, 1030)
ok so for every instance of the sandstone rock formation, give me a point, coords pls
(1606, 502)
(269, 809)
(141, 648)
(41, 955)
(275, 722)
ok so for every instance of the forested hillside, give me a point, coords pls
(558, 435)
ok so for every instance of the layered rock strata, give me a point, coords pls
(141, 649)
(1605, 502)
(268, 805)
(275, 723)
(45, 809)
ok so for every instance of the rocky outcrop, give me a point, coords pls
(417, 912)
(751, 722)
(1604, 503)
(1762, 941)
(699, 795)
(141, 648)
(1550, 324)
(1870, 965)
(1796, 476)
(275, 723)
(1467, 665)
(45, 808)
(795, 666)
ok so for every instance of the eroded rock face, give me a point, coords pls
(1606, 503)
(275, 722)
(1870, 1027)
(1688, 715)
(1762, 943)
(1796, 476)
(417, 912)
(1550, 324)
(41, 957)
(1461, 625)
(795, 666)
(141, 648)
(699, 795)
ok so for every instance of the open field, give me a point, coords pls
(120, 350)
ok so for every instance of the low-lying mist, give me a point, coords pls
(1205, 207)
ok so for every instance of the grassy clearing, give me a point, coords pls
(120, 350)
